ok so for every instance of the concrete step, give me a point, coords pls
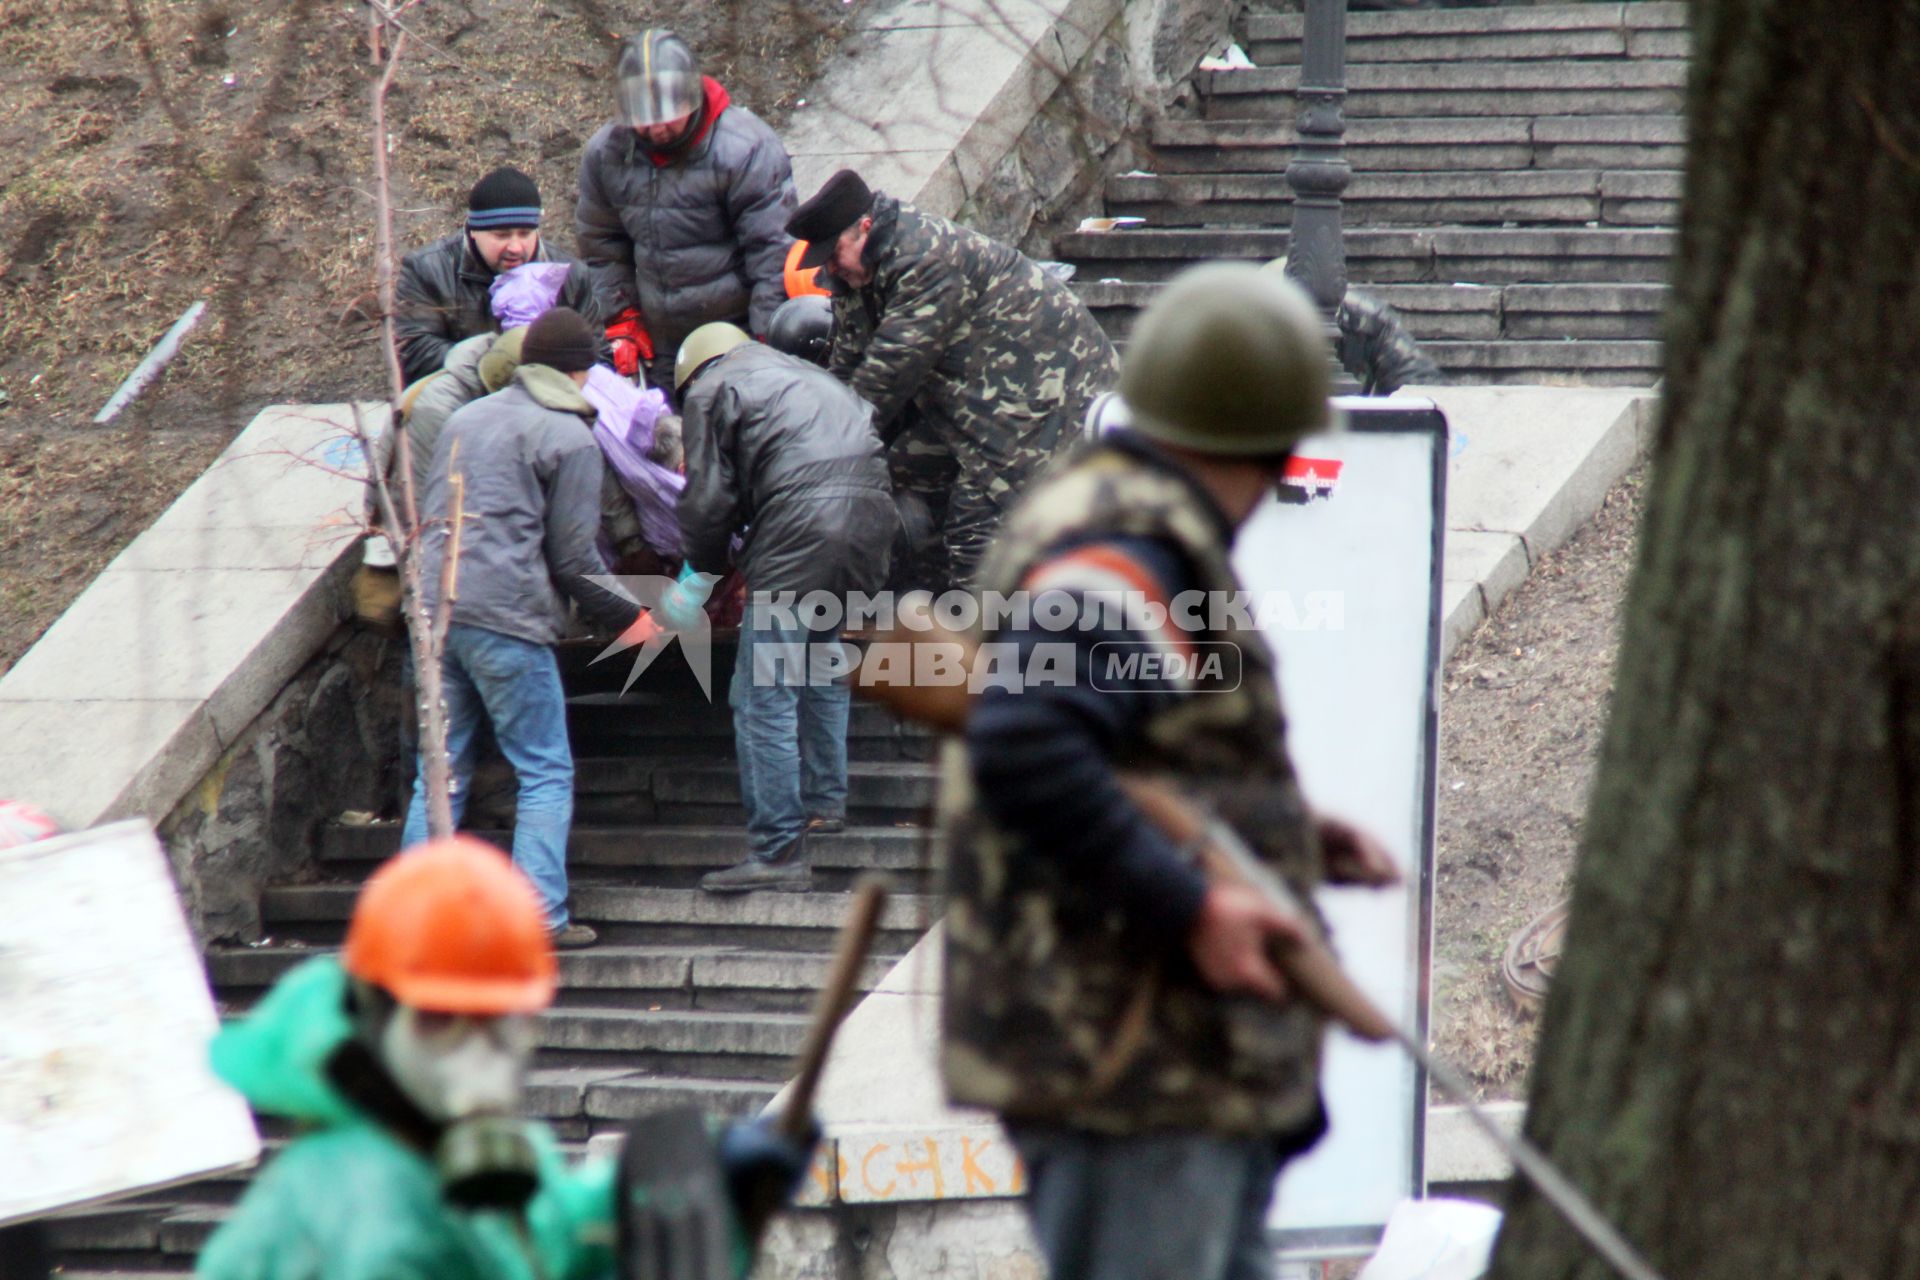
(616, 789)
(681, 1043)
(663, 849)
(1633, 30)
(1458, 197)
(1436, 142)
(731, 979)
(1571, 362)
(1434, 312)
(608, 724)
(615, 1103)
(1398, 255)
(317, 914)
(134, 1239)
(1643, 86)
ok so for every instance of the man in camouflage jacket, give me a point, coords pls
(1121, 1013)
(1374, 346)
(931, 320)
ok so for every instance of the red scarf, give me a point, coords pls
(717, 100)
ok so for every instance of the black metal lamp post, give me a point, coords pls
(1318, 172)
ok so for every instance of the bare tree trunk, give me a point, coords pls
(426, 636)
(1730, 1059)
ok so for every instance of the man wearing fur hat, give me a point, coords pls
(442, 294)
(961, 344)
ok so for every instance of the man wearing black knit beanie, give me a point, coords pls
(531, 477)
(443, 293)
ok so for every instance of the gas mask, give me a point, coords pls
(466, 1073)
(451, 1084)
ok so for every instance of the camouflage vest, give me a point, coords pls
(1053, 1011)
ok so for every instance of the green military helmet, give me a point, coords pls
(707, 343)
(1230, 359)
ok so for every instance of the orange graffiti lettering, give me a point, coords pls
(866, 1173)
(822, 1174)
(978, 1183)
(931, 1165)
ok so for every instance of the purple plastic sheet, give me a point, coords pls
(527, 292)
(624, 431)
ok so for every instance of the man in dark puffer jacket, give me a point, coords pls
(683, 203)
(444, 291)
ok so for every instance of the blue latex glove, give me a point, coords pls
(681, 605)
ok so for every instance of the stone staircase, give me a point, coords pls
(1516, 177)
(688, 998)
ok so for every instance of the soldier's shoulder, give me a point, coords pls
(1362, 305)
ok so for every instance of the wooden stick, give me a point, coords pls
(835, 1000)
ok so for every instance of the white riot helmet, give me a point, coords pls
(658, 80)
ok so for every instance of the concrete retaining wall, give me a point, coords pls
(1020, 108)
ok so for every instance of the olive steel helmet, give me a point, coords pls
(702, 347)
(1230, 360)
(803, 327)
(452, 926)
(658, 79)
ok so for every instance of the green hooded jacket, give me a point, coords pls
(350, 1201)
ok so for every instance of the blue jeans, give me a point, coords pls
(516, 685)
(1157, 1206)
(789, 729)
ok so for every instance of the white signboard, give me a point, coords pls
(105, 1018)
(1349, 584)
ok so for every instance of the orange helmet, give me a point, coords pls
(452, 926)
(801, 283)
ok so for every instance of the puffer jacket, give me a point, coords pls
(693, 236)
(782, 449)
(442, 296)
(534, 481)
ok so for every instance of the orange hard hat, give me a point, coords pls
(801, 283)
(452, 926)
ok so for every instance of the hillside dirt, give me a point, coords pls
(1524, 702)
(154, 153)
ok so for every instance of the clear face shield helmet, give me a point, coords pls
(658, 80)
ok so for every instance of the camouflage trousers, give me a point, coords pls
(965, 505)
(923, 470)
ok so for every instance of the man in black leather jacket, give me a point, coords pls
(443, 293)
(783, 455)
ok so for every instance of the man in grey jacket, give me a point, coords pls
(684, 202)
(783, 456)
(530, 477)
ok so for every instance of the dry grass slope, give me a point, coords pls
(158, 152)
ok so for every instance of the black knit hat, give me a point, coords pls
(841, 201)
(504, 198)
(561, 339)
